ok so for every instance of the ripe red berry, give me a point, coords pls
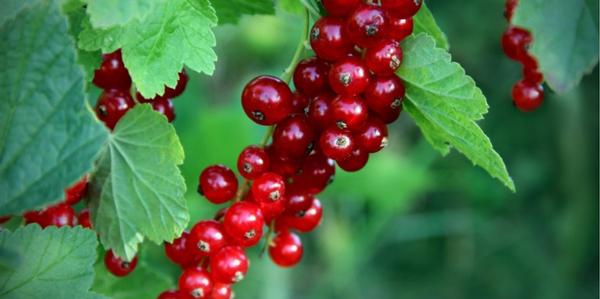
(366, 25)
(112, 105)
(293, 137)
(384, 94)
(310, 76)
(4, 219)
(372, 137)
(83, 218)
(329, 40)
(403, 8)
(218, 184)
(112, 73)
(398, 28)
(59, 215)
(527, 96)
(336, 143)
(384, 57)
(268, 187)
(267, 100)
(171, 93)
(195, 282)
(162, 105)
(298, 201)
(179, 251)
(304, 221)
(76, 192)
(117, 266)
(509, 9)
(35, 217)
(349, 112)
(269, 209)
(515, 42)
(355, 162)
(221, 291)
(531, 72)
(172, 294)
(244, 223)
(286, 249)
(317, 172)
(340, 8)
(349, 76)
(252, 162)
(319, 112)
(300, 103)
(387, 115)
(283, 166)
(229, 265)
(206, 238)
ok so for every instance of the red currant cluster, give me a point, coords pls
(116, 99)
(344, 99)
(528, 94)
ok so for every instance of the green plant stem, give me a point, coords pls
(267, 238)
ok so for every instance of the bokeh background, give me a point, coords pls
(413, 224)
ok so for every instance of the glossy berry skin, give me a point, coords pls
(269, 209)
(319, 111)
(218, 184)
(387, 114)
(531, 72)
(252, 162)
(329, 40)
(112, 105)
(229, 265)
(244, 223)
(4, 219)
(283, 166)
(385, 93)
(59, 215)
(161, 105)
(34, 217)
(372, 137)
(112, 73)
(286, 249)
(402, 8)
(300, 103)
(267, 100)
(76, 192)
(195, 282)
(269, 187)
(298, 201)
(336, 143)
(355, 162)
(293, 137)
(83, 218)
(318, 171)
(172, 294)
(366, 25)
(384, 57)
(171, 93)
(349, 112)
(310, 76)
(179, 251)
(117, 266)
(509, 9)
(515, 42)
(349, 76)
(398, 28)
(206, 238)
(221, 291)
(526, 96)
(340, 8)
(304, 221)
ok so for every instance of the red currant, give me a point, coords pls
(298, 201)
(112, 73)
(527, 96)
(515, 42)
(384, 94)
(59, 215)
(206, 238)
(509, 9)
(117, 266)
(162, 105)
(195, 282)
(286, 249)
(4, 219)
(218, 184)
(384, 57)
(229, 265)
(349, 112)
(221, 291)
(112, 105)
(179, 251)
(268, 187)
(304, 221)
(267, 100)
(252, 162)
(83, 218)
(299, 103)
(366, 25)
(293, 137)
(355, 162)
(372, 137)
(76, 192)
(35, 217)
(172, 294)
(387, 115)
(171, 93)
(244, 223)
(310, 76)
(319, 112)
(340, 8)
(317, 172)
(329, 40)
(284, 166)
(399, 28)
(336, 143)
(349, 76)
(403, 8)
(269, 209)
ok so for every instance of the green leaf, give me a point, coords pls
(134, 285)
(291, 6)
(567, 49)
(445, 104)
(138, 190)
(59, 263)
(107, 13)
(425, 23)
(48, 136)
(155, 49)
(230, 11)
(89, 60)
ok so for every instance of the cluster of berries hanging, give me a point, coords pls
(528, 93)
(344, 99)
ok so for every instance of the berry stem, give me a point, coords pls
(268, 237)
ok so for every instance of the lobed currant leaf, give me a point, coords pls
(48, 136)
(445, 104)
(138, 190)
(107, 13)
(58, 264)
(230, 11)
(565, 50)
(89, 60)
(133, 286)
(425, 23)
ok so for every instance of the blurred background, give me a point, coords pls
(413, 224)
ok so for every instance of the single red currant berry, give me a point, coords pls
(336, 143)
(221, 291)
(533, 76)
(244, 223)
(112, 73)
(83, 218)
(179, 251)
(293, 137)
(340, 8)
(112, 105)
(252, 162)
(59, 215)
(117, 266)
(172, 294)
(35, 217)
(372, 137)
(161, 105)
(305, 221)
(206, 238)
(349, 112)
(310, 76)
(349, 76)
(298, 201)
(4, 219)
(286, 249)
(329, 40)
(402, 8)
(218, 184)
(398, 28)
(268, 187)
(385, 93)
(171, 93)
(515, 42)
(509, 9)
(283, 166)
(300, 103)
(355, 162)
(267, 100)
(76, 192)
(269, 209)
(366, 25)
(387, 115)
(319, 112)
(318, 171)
(195, 282)
(384, 57)
(229, 265)
(526, 96)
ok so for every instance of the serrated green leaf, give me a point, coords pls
(107, 13)
(89, 60)
(134, 285)
(425, 23)
(567, 49)
(230, 11)
(58, 264)
(48, 136)
(445, 103)
(138, 190)
(155, 49)
(291, 6)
